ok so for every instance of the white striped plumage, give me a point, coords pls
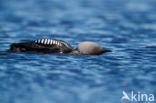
(56, 42)
(53, 42)
(48, 42)
(42, 41)
(59, 43)
(45, 41)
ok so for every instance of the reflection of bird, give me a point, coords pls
(125, 96)
(57, 46)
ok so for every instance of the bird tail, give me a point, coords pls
(17, 47)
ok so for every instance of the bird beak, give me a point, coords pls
(104, 51)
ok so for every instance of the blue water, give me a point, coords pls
(127, 27)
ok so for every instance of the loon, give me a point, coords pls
(58, 46)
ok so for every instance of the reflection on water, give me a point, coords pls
(126, 27)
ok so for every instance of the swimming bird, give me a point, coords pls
(57, 46)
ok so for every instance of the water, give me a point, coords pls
(127, 27)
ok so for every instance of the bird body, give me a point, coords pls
(57, 46)
(42, 46)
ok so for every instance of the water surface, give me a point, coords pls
(127, 27)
